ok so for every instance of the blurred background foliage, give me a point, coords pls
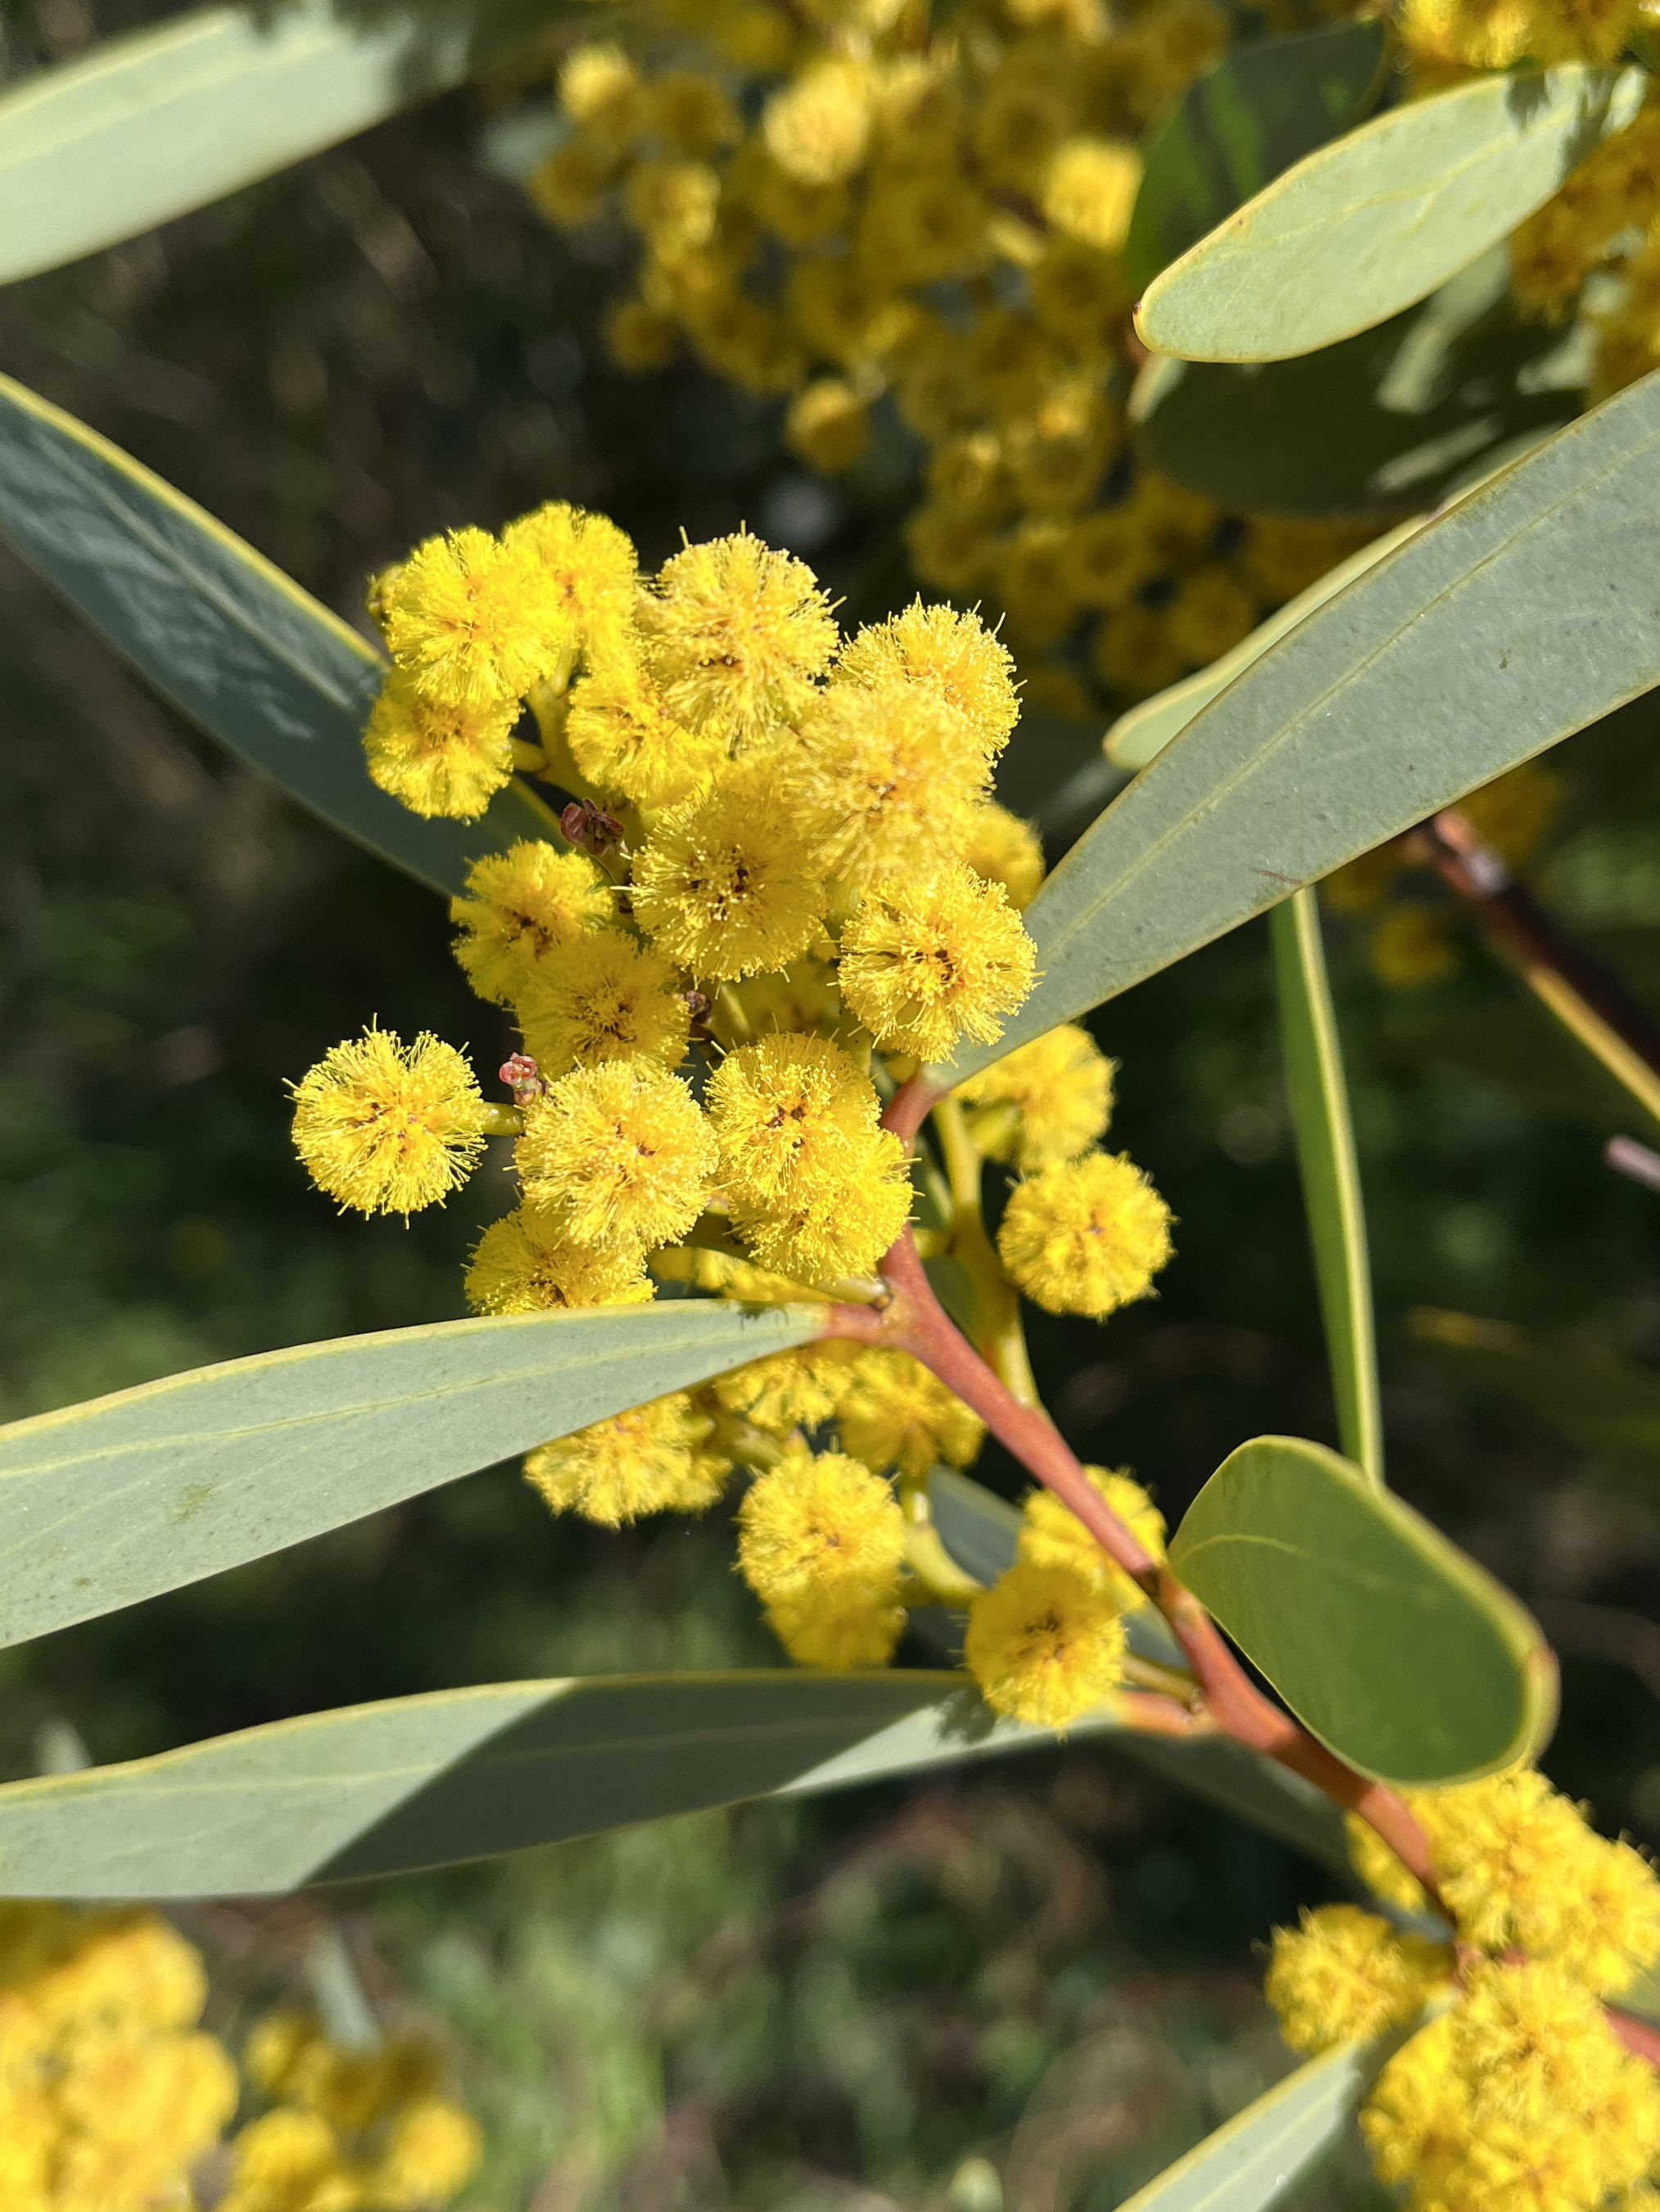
(1032, 1984)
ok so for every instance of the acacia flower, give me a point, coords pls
(728, 882)
(896, 1414)
(1044, 1645)
(1060, 1090)
(521, 906)
(435, 758)
(605, 997)
(622, 1154)
(1347, 1975)
(1087, 1236)
(473, 622)
(734, 633)
(941, 650)
(1051, 1533)
(820, 1525)
(386, 1127)
(649, 1460)
(924, 963)
(527, 1263)
(623, 738)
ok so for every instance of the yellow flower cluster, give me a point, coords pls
(347, 2130)
(922, 217)
(1518, 2093)
(786, 886)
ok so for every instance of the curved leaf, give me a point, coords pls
(251, 659)
(1331, 1175)
(1390, 417)
(1517, 616)
(1378, 219)
(1390, 1644)
(467, 1774)
(1254, 2158)
(1239, 126)
(113, 1501)
(146, 127)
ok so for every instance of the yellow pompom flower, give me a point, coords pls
(649, 1460)
(433, 2151)
(472, 621)
(605, 997)
(1502, 1851)
(817, 126)
(1047, 1103)
(1087, 1236)
(1005, 850)
(521, 906)
(1345, 1974)
(1090, 190)
(833, 1225)
(827, 426)
(819, 1525)
(727, 883)
(526, 1263)
(896, 1414)
(622, 1155)
(435, 758)
(287, 2158)
(789, 1389)
(673, 205)
(624, 739)
(567, 184)
(945, 652)
(734, 634)
(599, 88)
(1379, 1869)
(788, 1110)
(1532, 2045)
(1609, 1928)
(1416, 2121)
(924, 963)
(1051, 1536)
(1044, 1645)
(386, 1127)
(588, 566)
(838, 1630)
(891, 779)
(1555, 2168)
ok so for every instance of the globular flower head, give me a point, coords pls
(924, 963)
(1416, 2121)
(622, 1154)
(1049, 1102)
(838, 1630)
(588, 569)
(1090, 190)
(649, 1459)
(789, 1389)
(728, 882)
(1005, 850)
(1045, 1645)
(1532, 2045)
(521, 905)
(435, 758)
(890, 778)
(624, 739)
(432, 2149)
(526, 1263)
(791, 1112)
(1051, 1534)
(820, 1525)
(833, 1225)
(896, 1414)
(817, 126)
(1345, 1974)
(473, 622)
(1085, 1237)
(1502, 1849)
(828, 425)
(604, 996)
(386, 1127)
(734, 634)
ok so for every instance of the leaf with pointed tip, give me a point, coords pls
(1388, 1642)
(251, 659)
(468, 1774)
(146, 127)
(1520, 615)
(107, 1502)
(1253, 2159)
(1331, 1174)
(1239, 126)
(1379, 218)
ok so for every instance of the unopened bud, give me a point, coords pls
(519, 1074)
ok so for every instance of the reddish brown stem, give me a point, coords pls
(910, 1106)
(1637, 2035)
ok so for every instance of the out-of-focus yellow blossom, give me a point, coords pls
(649, 1460)
(1049, 1102)
(1051, 1534)
(820, 1523)
(828, 425)
(1346, 1975)
(1005, 850)
(1045, 1644)
(894, 1414)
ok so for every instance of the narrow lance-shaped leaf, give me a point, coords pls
(1254, 2158)
(145, 127)
(231, 641)
(1331, 1175)
(468, 1774)
(1376, 220)
(1388, 1644)
(1241, 123)
(113, 1501)
(1520, 615)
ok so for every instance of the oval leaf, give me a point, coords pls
(1515, 618)
(1239, 126)
(468, 1774)
(1331, 1175)
(230, 640)
(113, 1501)
(1394, 1649)
(148, 127)
(1378, 219)
(1254, 2158)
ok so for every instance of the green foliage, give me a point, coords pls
(1331, 1175)
(146, 127)
(1388, 1642)
(1379, 218)
(1445, 663)
(229, 639)
(1607, 1406)
(107, 1502)
(1239, 126)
